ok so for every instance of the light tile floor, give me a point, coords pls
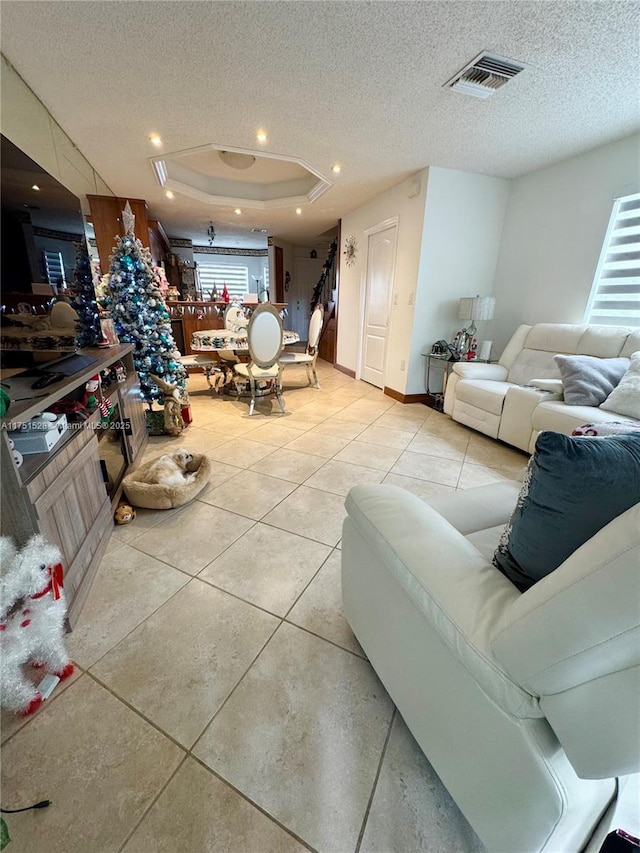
(221, 701)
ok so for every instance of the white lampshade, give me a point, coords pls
(476, 308)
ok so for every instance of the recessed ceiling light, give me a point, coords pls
(155, 140)
(261, 136)
(35, 187)
(336, 168)
(169, 194)
(298, 210)
(237, 211)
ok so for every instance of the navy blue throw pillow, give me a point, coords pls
(574, 487)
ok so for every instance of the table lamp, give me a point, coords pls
(473, 308)
(476, 308)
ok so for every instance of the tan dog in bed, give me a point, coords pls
(171, 469)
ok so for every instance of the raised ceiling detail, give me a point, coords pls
(219, 175)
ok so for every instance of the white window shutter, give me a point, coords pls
(615, 295)
(235, 276)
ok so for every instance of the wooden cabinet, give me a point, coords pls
(106, 216)
(328, 339)
(62, 494)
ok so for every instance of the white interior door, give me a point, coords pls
(381, 256)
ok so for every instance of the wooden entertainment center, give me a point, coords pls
(69, 493)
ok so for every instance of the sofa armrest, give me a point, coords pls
(453, 586)
(469, 370)
(555, 386)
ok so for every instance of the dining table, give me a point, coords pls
(216, 351)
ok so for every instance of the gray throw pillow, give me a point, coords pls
(573, 488)
(587, 380)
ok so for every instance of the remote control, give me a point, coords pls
(47, 379)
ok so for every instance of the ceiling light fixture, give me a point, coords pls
(298, 210)
(155, 140)
(336, 168)
(237, 211)
(236, 160)
(261, 136)
(36, 188)
(169, 194)
(211, 233)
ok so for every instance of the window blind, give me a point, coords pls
(236, 278)
(615, 294)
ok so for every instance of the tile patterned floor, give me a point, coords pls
(221, 701)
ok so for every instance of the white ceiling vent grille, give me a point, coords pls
(484, 75)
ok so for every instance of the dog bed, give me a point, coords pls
(157, 496)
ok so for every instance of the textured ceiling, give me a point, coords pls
(359, 83)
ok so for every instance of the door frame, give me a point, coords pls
(392, 221)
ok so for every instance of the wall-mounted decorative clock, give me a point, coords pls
(350, 249)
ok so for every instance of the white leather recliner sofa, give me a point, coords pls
(499, 400)
(526, 704)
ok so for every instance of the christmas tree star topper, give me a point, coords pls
(128, 219)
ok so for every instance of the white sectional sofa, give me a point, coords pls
(527, 705)
(501, 400)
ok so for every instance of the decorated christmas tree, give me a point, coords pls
(140, 314)
(84, 299)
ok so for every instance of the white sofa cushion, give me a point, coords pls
(556, 415)
(456, 589)
(625, 398)
(485, 394)
(532, 362)
(586, 671)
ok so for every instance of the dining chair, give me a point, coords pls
(235, 319)
(265, 337)
(310, 355)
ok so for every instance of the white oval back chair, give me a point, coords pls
(235, 320)
(310, 355)
(265, 339)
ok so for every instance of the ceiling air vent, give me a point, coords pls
(484, 75)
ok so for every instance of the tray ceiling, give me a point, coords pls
(354, 83)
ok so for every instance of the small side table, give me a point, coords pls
(445, 364)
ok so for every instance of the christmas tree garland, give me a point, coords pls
(326, 269)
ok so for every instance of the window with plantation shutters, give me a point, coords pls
(54, 268)
(236, 277)
(615, 295)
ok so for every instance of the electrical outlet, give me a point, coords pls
(395, 298)
(402, 364)
(410, 299)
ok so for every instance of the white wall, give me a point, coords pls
(30, 126)
(448, 242)
(556, 222)
(410, 213)
(463, 225)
